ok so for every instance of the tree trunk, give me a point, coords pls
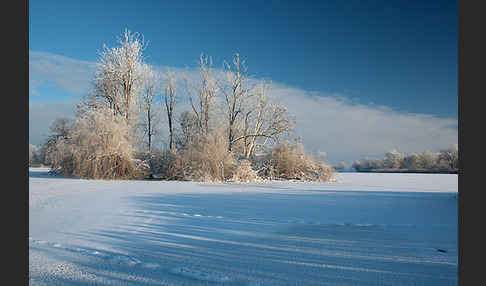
(171, 133)
(230, 137)
(149, 130)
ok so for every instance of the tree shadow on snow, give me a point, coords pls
(253, 235)
(203, 238)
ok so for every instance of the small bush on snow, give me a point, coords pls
(167, 165)
(206, 159)
(288, 161)
(245, 173)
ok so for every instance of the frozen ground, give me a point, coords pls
(364, 229)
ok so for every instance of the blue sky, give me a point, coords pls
(399, 56)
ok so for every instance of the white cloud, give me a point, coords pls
(330, 123)
(347, 131)
(69, 74)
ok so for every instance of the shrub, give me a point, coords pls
(97, 147)
(207, 159)
(244, 172)
(290, 162)
(32, 154)
(166, 165)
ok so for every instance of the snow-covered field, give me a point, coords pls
(364, 229)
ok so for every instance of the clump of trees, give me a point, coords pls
(288, 161)
(232, 129)
(34, 159)
(340, 166)
(59, 129)
(444, 160)
(100, 142)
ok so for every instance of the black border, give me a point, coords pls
(25, 195)
(15, 141)
(471, 86)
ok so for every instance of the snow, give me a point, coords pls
(363, 229)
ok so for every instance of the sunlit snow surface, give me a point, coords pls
(364, 229)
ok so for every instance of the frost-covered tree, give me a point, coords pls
(411, 162)
(236, 92)
(369, 164)
(100, 144)
(42, 157)
(393, 159)
(450, 157)
(188, 128)
(446, 159)
(170, 100)
(59, 129)
(429, 160)
(202, 96)
(32, 153)
(264, 120)
(252, 116)
(120, 75)
(340, 166)
(148, 96)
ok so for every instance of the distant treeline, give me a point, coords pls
(445, 161)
